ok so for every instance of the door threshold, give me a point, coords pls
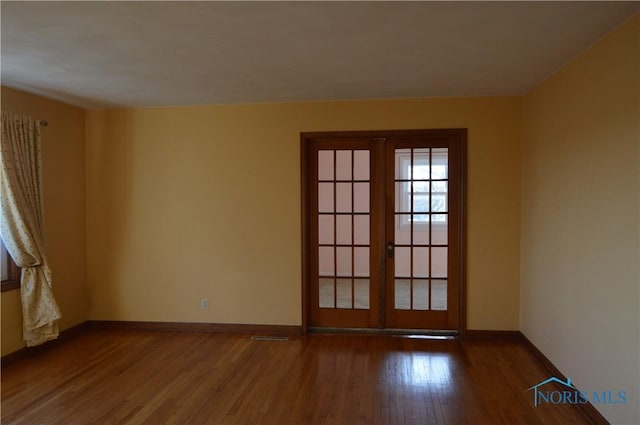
(409, 333)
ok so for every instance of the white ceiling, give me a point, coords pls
(111, 54)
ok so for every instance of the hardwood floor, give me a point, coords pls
(131, 377)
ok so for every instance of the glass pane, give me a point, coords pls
(403, 229)
(420, 218)
(420, 172)
(402, 294)
(344, 261)
(438, 294)
(420, 232)
(402, 261)
(361, 197)
(325, 229)
(326, 293)
(421, 294)
(343, 229)
(361, 289)
(420, 202)
(420, 187)
(361, 165)
(343, 197)
(439, 229)
(343, 165)
(439, 262)
(325, 197)
(403, 197)
(361, 262)
(420, 262)
(343, 288)
(403, 163)
(326, 266)
(361, 229)
(442, 187)
(439, 163)
(420, 164)
(325, 165)
(438, 202)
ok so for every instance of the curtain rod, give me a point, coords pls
(44, 123)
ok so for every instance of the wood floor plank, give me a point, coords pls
(145, 377)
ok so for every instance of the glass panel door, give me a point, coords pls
(418, 234)
(384, 243)
(420, 226)
(342, 225)
(343, 231)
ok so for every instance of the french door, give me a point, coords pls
(383, 229)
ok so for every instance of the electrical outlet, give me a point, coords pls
(547, 332)
(204, 303)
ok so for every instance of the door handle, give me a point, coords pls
(390, 249)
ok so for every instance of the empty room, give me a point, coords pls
(387, 213)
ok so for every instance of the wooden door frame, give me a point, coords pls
(458, 135)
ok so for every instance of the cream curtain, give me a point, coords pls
(21, 223)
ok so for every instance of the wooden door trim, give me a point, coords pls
(456, 135)
(305, 221)
(462, 226)
(379, 176)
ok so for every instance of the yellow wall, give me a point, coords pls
(192, 202)
(580, 221)
(63, 155)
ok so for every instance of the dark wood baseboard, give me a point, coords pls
(587, 410)
(482, 335)
(196, 327)
(25, 352)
